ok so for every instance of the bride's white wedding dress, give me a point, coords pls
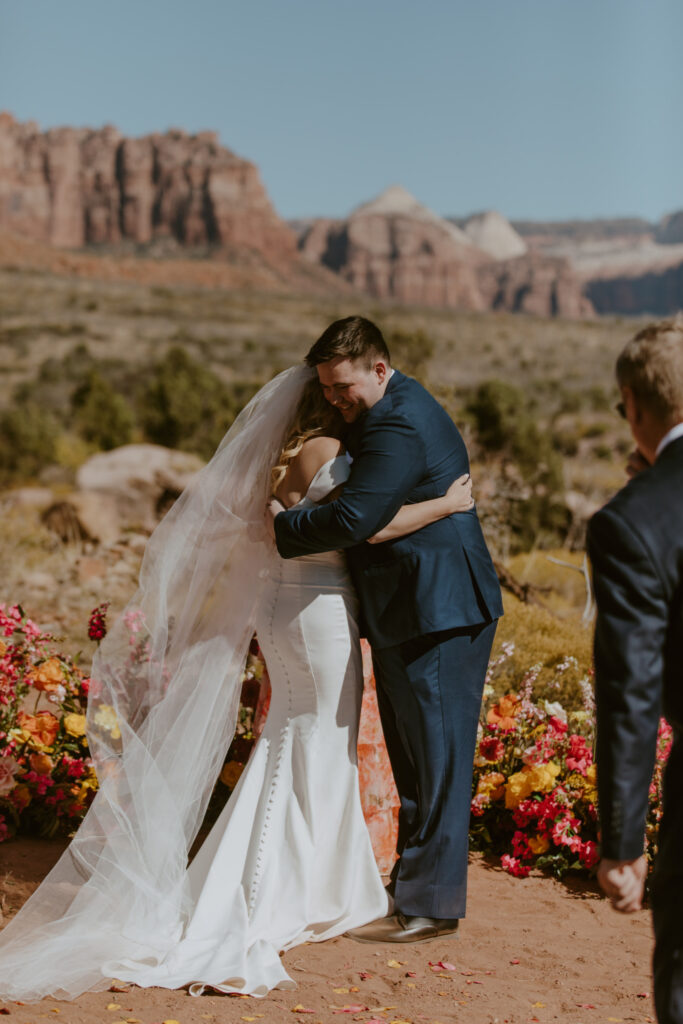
(289, 860)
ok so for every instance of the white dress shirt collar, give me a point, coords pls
(672, 435)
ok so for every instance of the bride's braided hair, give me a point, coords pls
(313, 416)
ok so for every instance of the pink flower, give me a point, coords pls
(514, 866)
(9, 767)
(564, 832)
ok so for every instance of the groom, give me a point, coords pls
(430, 603)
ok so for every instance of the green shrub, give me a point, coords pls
(27, 442)
(100, 415)
(184, 405)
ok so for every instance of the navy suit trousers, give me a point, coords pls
(429, 692)
(667, 895)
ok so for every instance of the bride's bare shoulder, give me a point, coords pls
(315, 452)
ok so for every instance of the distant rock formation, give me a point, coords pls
(495, 235)
(534, 284)
(670, 229)
(656, 292)
(394, 247)
(73, 187)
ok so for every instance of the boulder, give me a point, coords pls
(139, 481)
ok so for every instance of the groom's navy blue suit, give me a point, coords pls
(429, 603)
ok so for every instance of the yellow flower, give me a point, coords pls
(231, 773)
(542, 777)
(592, 775)
(106, 718)
(49, 676)
(538, 844)
(74, 724)
(517, 789)
(537, 779)
(21, 797)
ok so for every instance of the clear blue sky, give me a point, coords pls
(538, 108)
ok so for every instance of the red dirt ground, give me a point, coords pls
(531, 950)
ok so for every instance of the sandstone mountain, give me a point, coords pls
(395, 248)
(495, 235)
(73, 187)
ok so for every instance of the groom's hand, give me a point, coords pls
(623, 881)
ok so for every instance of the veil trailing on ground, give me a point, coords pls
(161, 715)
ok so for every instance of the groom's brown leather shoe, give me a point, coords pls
(402, 928)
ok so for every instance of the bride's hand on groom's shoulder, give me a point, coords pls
(459, 494)
(273, 508)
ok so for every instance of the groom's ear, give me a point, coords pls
(381, 369)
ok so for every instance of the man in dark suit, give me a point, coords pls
(429, 601)
(636, 546)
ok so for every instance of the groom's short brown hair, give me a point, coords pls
(354, 337)
(651, 364)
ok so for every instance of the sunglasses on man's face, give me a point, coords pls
(621, 409)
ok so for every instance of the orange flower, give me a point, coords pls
(41, 729)
(503, 713)
(3, 648)
(49, 676)
(41, 763)
(491, 785)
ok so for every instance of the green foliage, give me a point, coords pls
(534, 511)
(411, 351)
(100, 415)
(182, 404)
(27, 441)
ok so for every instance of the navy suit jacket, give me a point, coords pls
(636, 546)
(406, 449)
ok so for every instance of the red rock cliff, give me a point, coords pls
(72, 187)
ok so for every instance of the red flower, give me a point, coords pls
(588, 854)
(492, 748)
(97, 623)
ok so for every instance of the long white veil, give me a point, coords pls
(161, 715)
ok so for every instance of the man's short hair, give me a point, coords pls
(651, 364)
(354, 337)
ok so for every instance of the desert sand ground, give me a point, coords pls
(531, 950)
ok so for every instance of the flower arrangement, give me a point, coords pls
(534, 789)
(47, 779)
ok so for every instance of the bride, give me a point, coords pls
(289, 859)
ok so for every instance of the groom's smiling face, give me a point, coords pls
(351, 386)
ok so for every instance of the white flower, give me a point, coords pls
(554, 709)
(57, 695)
